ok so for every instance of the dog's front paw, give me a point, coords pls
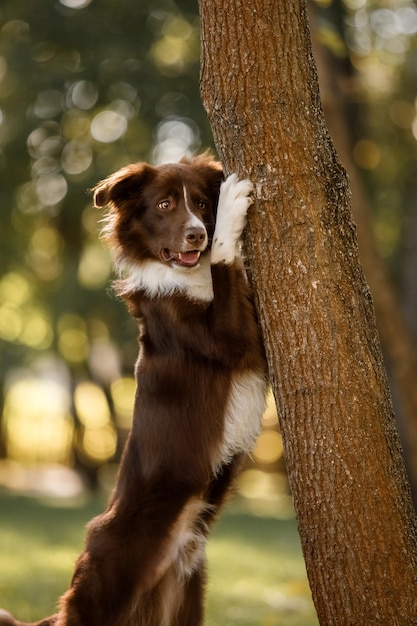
(234, 201)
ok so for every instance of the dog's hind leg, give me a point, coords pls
(129, 552)
(175, 601)
(191, 610)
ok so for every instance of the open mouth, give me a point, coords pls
(185, 259)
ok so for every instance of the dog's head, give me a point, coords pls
(166, 213)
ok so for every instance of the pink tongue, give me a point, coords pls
(189, 258)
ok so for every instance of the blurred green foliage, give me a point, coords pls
(376, 45)
(87, 86)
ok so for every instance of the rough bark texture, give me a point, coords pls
(345, 467)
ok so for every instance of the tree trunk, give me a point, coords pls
(344, 462)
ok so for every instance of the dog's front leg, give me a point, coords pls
(232, 208)
(231, 315)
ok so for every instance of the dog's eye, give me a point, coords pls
(202, 205)
(164, 205)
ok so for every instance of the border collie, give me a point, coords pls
(201, 378)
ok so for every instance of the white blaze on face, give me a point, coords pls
(193, 221)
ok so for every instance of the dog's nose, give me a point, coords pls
(195, 235)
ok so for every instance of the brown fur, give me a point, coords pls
(143, 563)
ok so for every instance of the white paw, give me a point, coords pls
(234, 201)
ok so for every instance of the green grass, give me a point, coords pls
(256, 571)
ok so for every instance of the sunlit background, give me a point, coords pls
(86, 87)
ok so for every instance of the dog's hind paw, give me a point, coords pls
(233, 205)
(6, 618)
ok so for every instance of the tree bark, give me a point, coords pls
(344, 462)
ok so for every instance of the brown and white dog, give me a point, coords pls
(174, 230)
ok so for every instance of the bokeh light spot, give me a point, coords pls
(75, 4)
(95, 267)
(174, 139)
(51, 189)
(44, 253)
(15, 287)
(108, 126)
(77, 157)
(73, 345)
(37, 422)
(268, 447)
(10, 323)
(72, 338)
(91, 405)
(36, 330)
(123, 392)
(83, 94)
(48, 104)
(100, 443)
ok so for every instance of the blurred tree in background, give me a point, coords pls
(88, 86)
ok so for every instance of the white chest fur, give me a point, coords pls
(157, 279)
(244, 409)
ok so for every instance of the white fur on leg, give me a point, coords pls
(185, 546)
(234, 201)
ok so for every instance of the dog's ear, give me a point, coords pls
(123, 185)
